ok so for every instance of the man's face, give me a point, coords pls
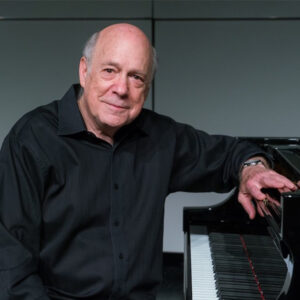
(116, 81)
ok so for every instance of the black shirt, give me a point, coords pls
(81, 219)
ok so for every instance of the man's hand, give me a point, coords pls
(253, 180)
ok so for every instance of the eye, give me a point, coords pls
(108, 73)
(137, 77)
(108, 70)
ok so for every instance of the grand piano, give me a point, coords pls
(228, 256)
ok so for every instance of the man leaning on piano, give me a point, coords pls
(83, 180)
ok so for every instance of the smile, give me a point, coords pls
(117, 106)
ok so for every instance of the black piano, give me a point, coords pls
(228, 256)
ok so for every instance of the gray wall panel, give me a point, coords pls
(104, 9)
(232, 77)
(213, 9)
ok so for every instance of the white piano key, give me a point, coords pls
(203, 281)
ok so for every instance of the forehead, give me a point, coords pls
(125, 49)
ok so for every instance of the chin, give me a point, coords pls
(116, 125)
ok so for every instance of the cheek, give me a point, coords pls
(138, 96)
(137, 107)
(98, 85)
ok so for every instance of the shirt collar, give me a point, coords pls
(69, 117)
(71, 122)
(141, 122)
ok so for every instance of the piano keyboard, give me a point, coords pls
(233, 266)
(203, 281)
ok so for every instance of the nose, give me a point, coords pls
(121, 86)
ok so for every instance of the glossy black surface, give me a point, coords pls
(172, 285)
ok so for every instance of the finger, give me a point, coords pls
(284, 190)
(275, 180)
(268, 203)
(272, 200)
(246, 201)
(255, 192)
(256, 189)
(275, 208)
(259, 208)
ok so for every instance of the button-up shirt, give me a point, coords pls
(83, 219)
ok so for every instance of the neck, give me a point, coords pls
(103, 136)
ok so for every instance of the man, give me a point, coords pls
(83, 180)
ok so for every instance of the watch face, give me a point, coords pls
(252, 162)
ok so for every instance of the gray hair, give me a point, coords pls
(89, 46)
(89, 49)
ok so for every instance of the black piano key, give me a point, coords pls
(232, 273)
(235, 279)
(269, 266)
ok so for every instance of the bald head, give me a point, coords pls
(125, 30)
(115, 73)
(122, 32)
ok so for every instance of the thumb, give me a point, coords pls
(246, 201)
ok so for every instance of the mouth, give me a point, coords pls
(116, 106)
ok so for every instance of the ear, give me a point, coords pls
(83, 70)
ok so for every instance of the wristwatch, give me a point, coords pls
(252, 162)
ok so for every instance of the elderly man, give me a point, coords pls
(83, 180)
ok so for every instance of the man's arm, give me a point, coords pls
(20, 219)
(253, 178)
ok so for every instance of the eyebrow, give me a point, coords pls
(134, 71)
(111, 63)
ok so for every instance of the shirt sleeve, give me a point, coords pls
(208, 163)
(21, 186)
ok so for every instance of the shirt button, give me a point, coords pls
(116, 223)
(116, 186)
(121, 256)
